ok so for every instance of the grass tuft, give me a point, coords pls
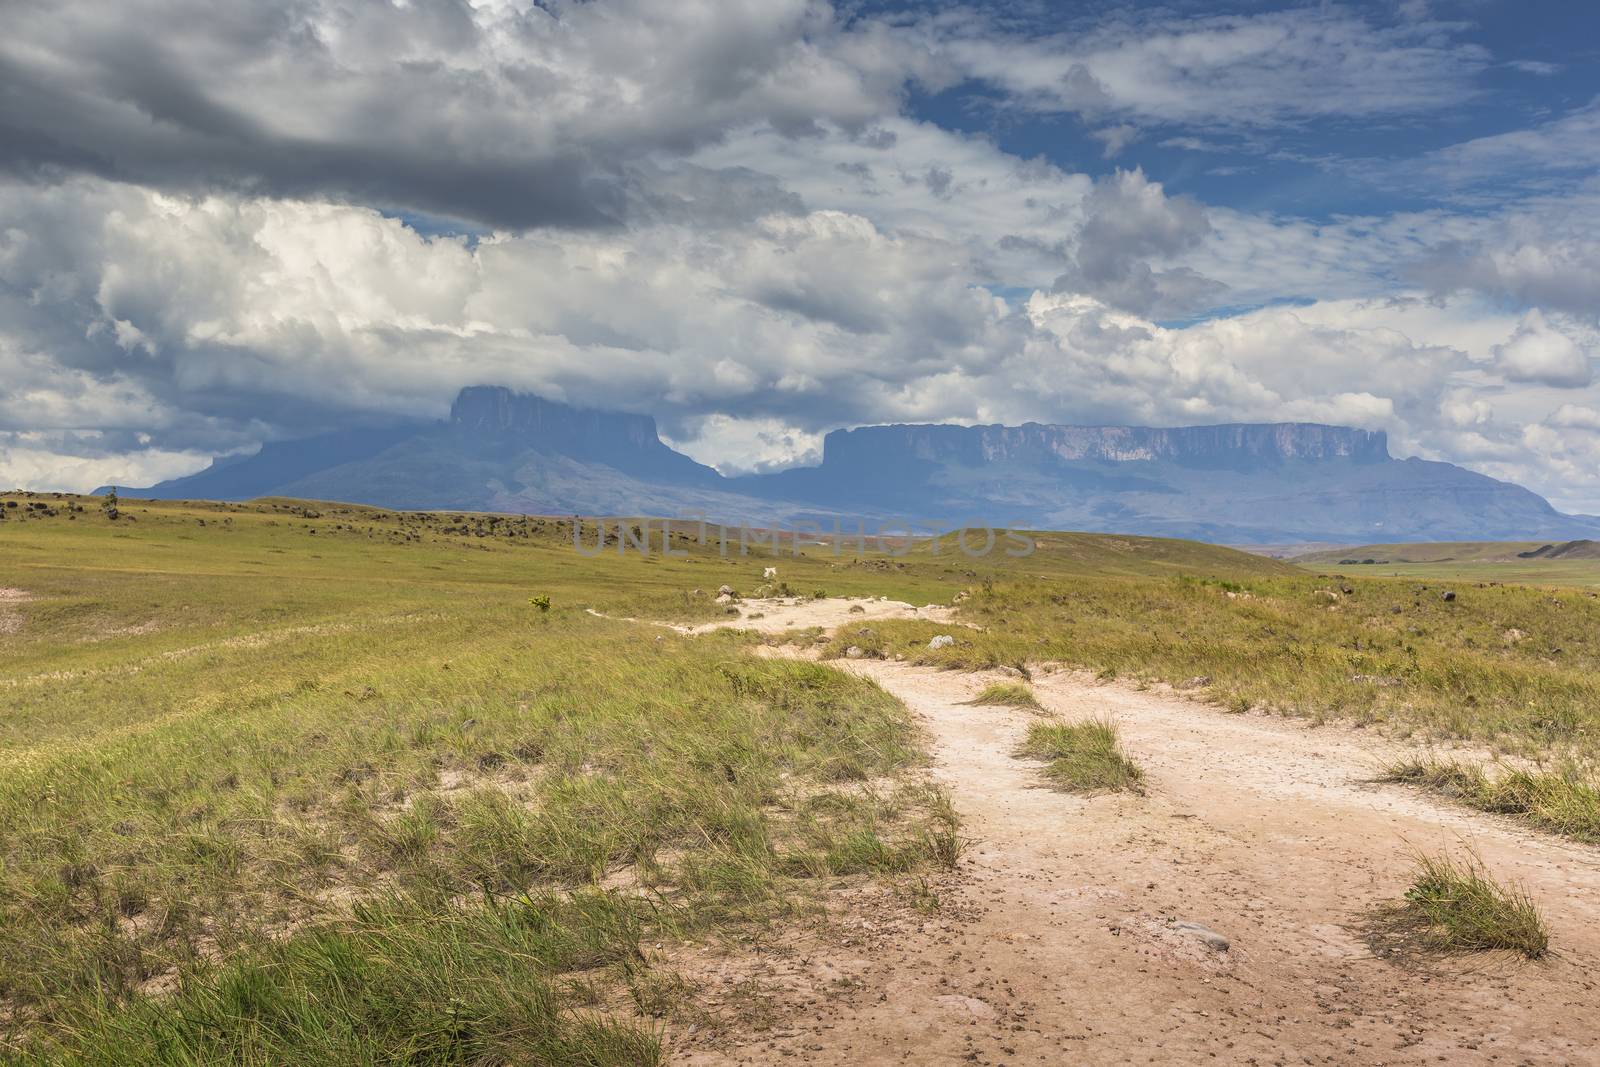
(1457, 906)
(1561, 802)
(1084, 757)
(1007, 694)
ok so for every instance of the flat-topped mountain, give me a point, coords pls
(1231, 445)
(1274, 482)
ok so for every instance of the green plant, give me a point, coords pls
(1007, 694)
(1083, 757)
(1457, 905)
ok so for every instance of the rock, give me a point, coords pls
(941, 641)
(1204, 934)
(1199, 681)
(1010, 672)
(726, 590)
(724, 598)
(1447, 595)
(866, 631)
(854, 652)
(769, 573)
(966, 1006)
(857, 609)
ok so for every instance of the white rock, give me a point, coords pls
(1204, 934)
(942, 641)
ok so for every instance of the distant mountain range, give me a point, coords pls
(1236, 483)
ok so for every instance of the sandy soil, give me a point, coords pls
(11, 619)
(1082, 929)
(778, 614)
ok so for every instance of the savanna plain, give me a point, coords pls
(291, 782)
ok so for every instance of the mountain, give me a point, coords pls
(1237, 483)
(498, 451)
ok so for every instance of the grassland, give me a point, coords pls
(291, 781)
(1461, 561)
(287, 783)
(1514, 667)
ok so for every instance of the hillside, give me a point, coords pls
(1421, 552)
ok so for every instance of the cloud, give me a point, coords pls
(211, 322)
(1537, 352)
(1116, 138)
(1128, 220)
(508, 113)
(1575, 417)
(1560, 153)
(1232, 71)
(1545, 253)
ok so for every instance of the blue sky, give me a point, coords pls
(228, 221)
(1499, 68)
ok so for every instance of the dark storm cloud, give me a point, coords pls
(507, 117)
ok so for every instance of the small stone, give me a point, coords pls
(1447, 595)
(941, 641)
(854, 652)
(1204, 934)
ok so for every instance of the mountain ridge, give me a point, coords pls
(1230, 483)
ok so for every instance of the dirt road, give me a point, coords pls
(1063, 937)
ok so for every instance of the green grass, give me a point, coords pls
(1558, 801)
(1007, 694)
(1515, 667)
(1418, 552)
(1083, 757)
(273, 796)
(1455, 905)
(276, 779)
(1459, 562)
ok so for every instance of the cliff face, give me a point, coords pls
(493, 420)
(492, 411)
(1228, 446)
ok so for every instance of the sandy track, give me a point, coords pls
(777, 615)
(1056, 943)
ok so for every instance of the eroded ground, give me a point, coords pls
(1090, 929)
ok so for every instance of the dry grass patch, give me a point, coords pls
(1008, 695)
(1083, 757)
(1560, 801)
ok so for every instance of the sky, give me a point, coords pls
(225, 222)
